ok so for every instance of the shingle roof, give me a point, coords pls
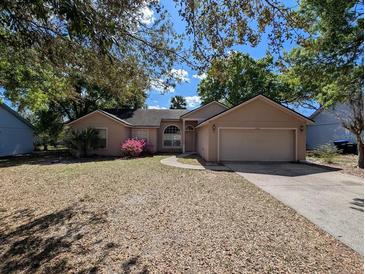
(146, 117)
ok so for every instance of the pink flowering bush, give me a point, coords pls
(135, 147)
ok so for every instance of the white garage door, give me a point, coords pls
(256, 144)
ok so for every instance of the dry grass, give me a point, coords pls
(138, 216)
(193, 159)
(346, 162)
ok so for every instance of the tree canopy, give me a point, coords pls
(216, 26)
(239, 77)
(80, 55)
(328, 66)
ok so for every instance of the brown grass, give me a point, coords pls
(138, 216)
(193, 159)
(346, 162)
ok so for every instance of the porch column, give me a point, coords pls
(183, 135)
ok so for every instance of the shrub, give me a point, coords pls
(327, 152)
(136, 147)
(82, 141)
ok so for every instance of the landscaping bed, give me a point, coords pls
(138, 216)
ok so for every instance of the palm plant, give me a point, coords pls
(82, 141)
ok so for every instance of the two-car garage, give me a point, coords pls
(259, 129)
(256, 144)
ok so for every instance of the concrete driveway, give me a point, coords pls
(332, 200)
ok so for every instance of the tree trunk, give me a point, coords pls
(45, 147)
(360, 152)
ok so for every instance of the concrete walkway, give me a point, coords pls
(332, 200)
(173, 161)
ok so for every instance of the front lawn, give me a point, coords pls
(193, 159)
(138, 216)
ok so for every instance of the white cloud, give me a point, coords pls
(156, 107)
(160, 86)
(200, 76)
(180, 75)
(147, 15)
(193, 101)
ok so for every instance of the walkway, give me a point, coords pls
(173, 161)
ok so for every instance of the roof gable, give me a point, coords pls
(205, 111)
(16, 115)
(108, 115)
(266, 100)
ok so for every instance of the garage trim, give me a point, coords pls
(270, 128)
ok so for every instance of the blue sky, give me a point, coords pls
(189, 89)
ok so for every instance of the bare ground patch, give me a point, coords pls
(138, 216)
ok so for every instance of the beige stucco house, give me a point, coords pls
(256, 130)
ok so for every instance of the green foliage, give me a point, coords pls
(239, 77)
(327, 152)
(81, 142)
(328, 67)
(83, 55)
(217, 25)
(49, 127)
(178, 102)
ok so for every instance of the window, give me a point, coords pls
(189, 128)
(172, 137)
(102, 134)
(140, 134)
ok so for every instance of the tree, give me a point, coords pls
(216, 26)
(239, 77)
(60, 51)
(178, 102)
(49, 126)
(328, 67)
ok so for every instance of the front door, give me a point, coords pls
(189, 139)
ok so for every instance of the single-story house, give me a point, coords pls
(258, 129)
(16, 133)
(328, 127)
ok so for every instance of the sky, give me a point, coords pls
(188, 89)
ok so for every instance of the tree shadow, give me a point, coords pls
(50, 159)
(133, 264)
(288, 169)
(39, 243)
(358, 204)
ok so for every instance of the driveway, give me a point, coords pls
(332, 200)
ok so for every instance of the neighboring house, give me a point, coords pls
(328, 127)
(16, 133)
(256, 130)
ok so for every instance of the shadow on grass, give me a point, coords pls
(49, 159)
(46, 243)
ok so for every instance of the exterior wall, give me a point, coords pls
(202, 142)
(328, 128)
(116, 132)
(163, 125)
(15, 136)
(152, 136)
(205, 112)
(256, 114)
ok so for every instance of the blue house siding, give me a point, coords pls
(328, 128)
(16, 136)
